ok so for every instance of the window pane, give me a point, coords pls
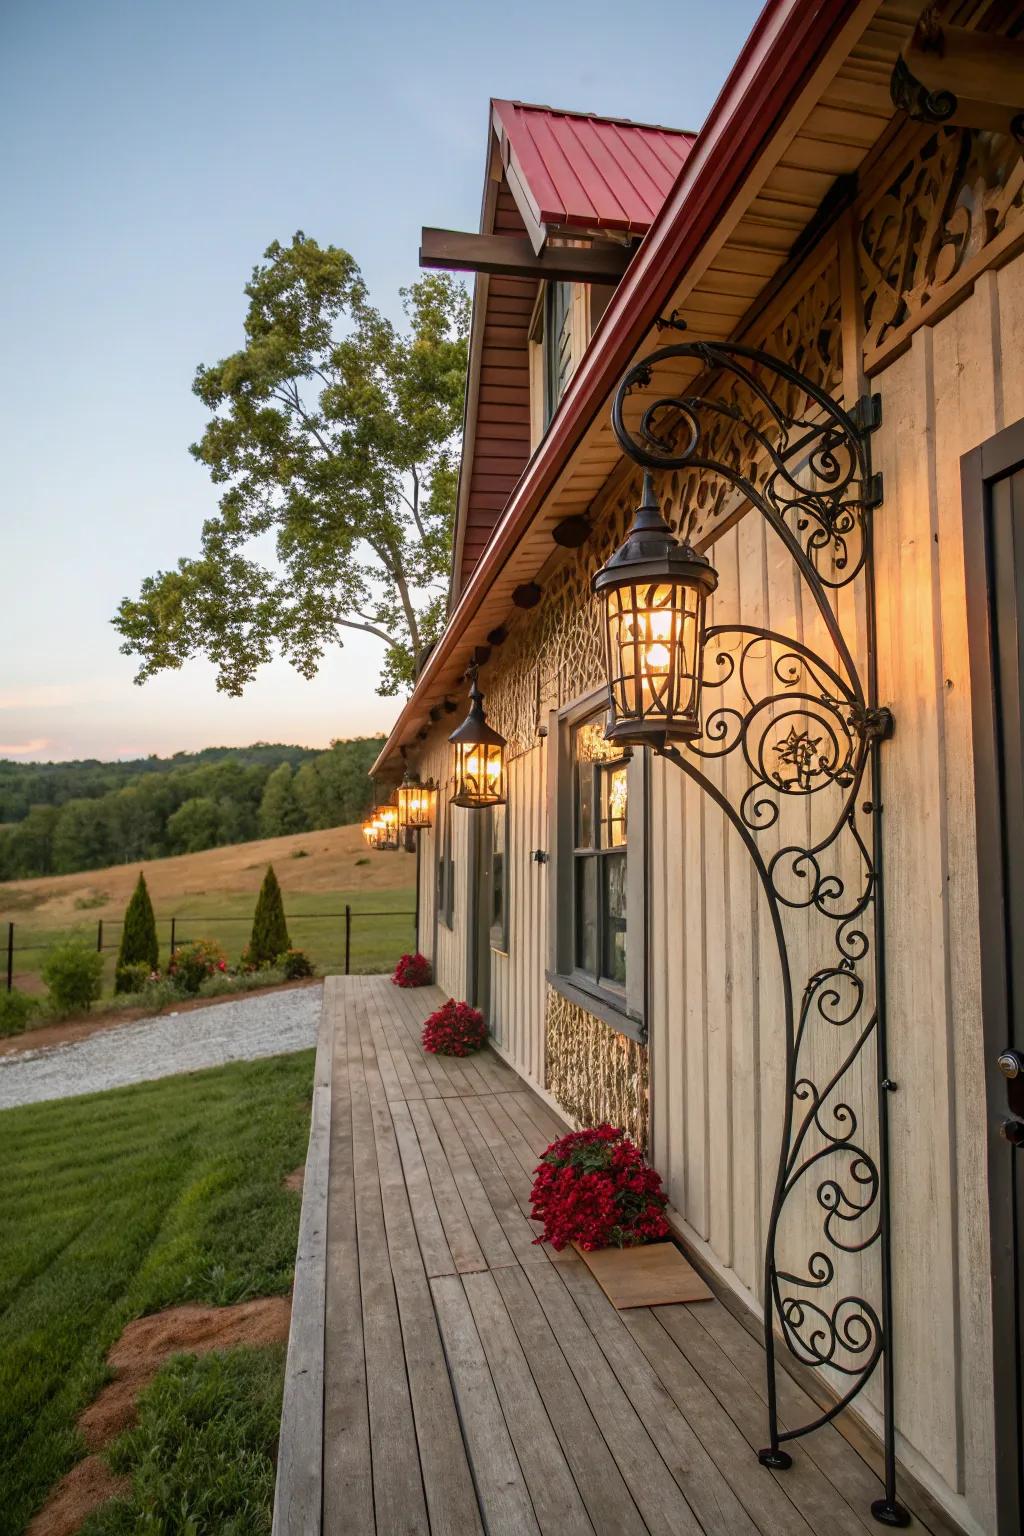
(584, 806)
(586, 915)
(614, 794)
(613, 896)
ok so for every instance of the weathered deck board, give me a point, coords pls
(469, 1384)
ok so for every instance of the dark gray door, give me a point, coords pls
(479, 915)
(993, 483)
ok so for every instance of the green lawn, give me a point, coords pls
(377, 941)
(119, 1204)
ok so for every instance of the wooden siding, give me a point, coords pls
(716, 1035)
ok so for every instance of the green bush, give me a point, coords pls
(269, 930)
(190, 965)
(73, 971)
(16, 1008)
(132, 977)
(221, 985)
(139, 944)
(296, 965)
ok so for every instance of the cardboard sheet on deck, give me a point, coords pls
(653, 1275)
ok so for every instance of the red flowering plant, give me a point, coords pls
(455, 1029)
(412, 971)
(595, 1189)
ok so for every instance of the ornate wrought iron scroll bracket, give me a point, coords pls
(790, 751)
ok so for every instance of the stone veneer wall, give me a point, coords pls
(593, 1072)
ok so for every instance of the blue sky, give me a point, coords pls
(151, 151)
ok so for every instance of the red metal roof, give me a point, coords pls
(590, 172)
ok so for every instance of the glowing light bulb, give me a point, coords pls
(656, 658)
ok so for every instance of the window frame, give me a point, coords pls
(623, 1008)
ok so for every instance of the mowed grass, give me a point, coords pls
(119, 1204)
(213, 895)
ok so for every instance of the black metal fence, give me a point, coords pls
(180, 934)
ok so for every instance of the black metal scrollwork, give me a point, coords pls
(807, 732)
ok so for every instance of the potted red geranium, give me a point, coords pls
(595, 1189)
(412, 971)
(455, 1029)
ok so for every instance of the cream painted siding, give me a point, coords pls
(716, 1023)
(517, 978)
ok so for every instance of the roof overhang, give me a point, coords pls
(795, 49)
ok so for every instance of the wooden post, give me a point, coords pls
(10, 956)
(348, 937)
(416, 914)
(173, 922)
(99, 936)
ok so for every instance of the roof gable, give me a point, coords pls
(577, 170)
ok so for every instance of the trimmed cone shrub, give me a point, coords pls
(269, 930)
(73, 971)
(139, 944)
(412, 971)
(594, 1188)
(455, 1029)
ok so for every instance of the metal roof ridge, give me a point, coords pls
(598, 117)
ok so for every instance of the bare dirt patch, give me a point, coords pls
(296, 1179)
(89, 1484)
(144, 1346)
(69, 1030)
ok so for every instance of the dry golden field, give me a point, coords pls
(210, 894)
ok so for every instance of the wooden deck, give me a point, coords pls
(447, 1376)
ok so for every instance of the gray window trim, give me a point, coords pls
(622, 1009)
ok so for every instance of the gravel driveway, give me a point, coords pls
(173, 1042)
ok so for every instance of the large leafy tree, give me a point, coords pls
(334, 434)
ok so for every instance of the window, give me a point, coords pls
(552, 354)
(600, 828)
(557, 345)
(499, 877)
(597, 907)
(445, 867)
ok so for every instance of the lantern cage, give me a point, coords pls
(653, 593)
(479, 756)
(417, 803)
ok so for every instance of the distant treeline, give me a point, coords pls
(62, 817)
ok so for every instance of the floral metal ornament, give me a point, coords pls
(805, 731)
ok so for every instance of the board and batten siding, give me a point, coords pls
(716, 1030)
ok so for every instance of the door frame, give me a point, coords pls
(1001, 455)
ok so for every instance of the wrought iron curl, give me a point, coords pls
(807, 732)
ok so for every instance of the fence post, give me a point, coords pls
(173, 923)
(348, 936)
(99, 936)
(10, 956)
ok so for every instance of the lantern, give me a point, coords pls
(370, 832)
(653, 592)
(416, 803)
(479, 757)
(388, 818)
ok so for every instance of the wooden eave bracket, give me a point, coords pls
(959, 77)
(513, 256)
